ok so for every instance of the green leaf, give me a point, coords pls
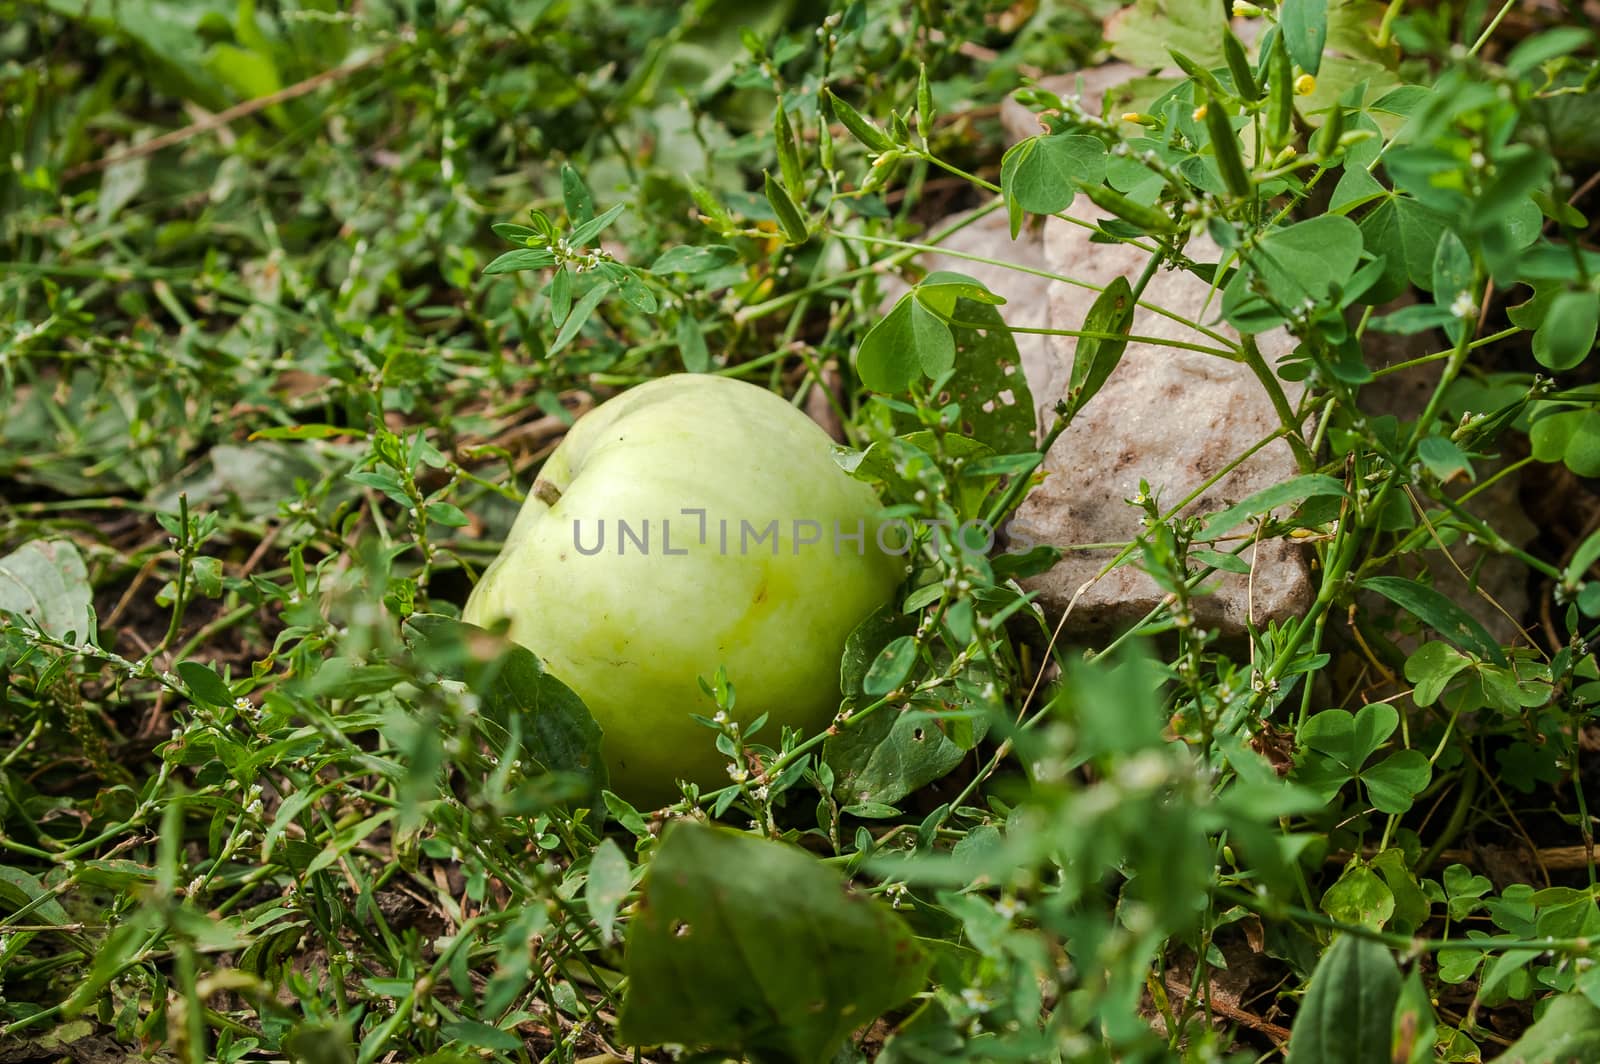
(1297, 264)
(1432, 668)
(1415, 1026)
(558, 732)
(1346, 1017)
(1096, 357)
(691, 259)
(1143, 35)
(755, 947)
(44, 582)
(481, 1036)
(584, 234)
(1452, 275)
(575, 196)
(1394, 783)
(608, 883)
(1360, 896)
(935, 347)
(1439, 613)
(632, 289)
(887, 360)
(1350, 738)
(1586, 555)
(1304, 24)
(1518, 172)
(891, 667)
(1568, 1031)
(889, 755)
(1411, 905)
(1463, 890)
(1040, 174)
(204, 685)
(560, 295)
(578, 316)
(790, 220)
(988, 382)
(1541, 48)
(865, 642)
(1443, 458)
(1308, 258)
(19, 890)
(1406, 233)
(692, 344)
(521, 259)
(447, 514)
(1567, 334)
(1293, 490)
(1452, 268)
(1571, 437)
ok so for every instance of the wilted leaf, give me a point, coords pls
(755, 947)
(44, 582)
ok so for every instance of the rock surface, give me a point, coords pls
(1168, 416)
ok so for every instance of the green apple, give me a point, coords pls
(691, 523)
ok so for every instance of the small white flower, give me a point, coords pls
(976, 999)
(721, 716)
(738, 773)
(1008, 907)
(242, 704)
(1464, 306)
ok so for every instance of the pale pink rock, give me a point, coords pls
(1167, 416)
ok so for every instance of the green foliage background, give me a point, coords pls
(295, 297)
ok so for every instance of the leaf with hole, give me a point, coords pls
(752, 946)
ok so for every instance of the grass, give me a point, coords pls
(267, 410)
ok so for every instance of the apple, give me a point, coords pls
(691, 523)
